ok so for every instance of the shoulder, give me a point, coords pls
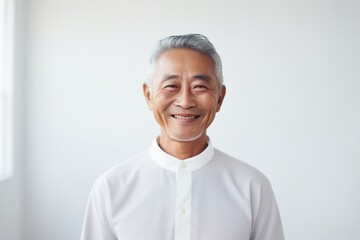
(238, 169)
(123, 171)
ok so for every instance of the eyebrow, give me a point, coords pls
(203, 77)
(169, 77)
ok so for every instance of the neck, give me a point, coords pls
(182, 149)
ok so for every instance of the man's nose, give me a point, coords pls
(185, 99)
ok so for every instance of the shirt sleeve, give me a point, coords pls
(267, 224)
(98, 223)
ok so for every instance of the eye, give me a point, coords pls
(171, 86)
(200, 87)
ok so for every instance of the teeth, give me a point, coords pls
(183, 117)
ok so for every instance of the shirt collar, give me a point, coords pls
(171, 163)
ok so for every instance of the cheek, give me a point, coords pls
(161, 101)
(210, 103)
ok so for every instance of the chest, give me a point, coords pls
(184, 207)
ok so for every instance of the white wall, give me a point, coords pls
(292, 108)
(11, 188)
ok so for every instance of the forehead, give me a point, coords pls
(184, 60)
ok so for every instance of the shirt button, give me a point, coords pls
(183, 166)
(183, 211)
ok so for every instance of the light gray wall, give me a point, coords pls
(10, 204)
(292, 108)
(11, 189)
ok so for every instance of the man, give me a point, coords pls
(182, 188)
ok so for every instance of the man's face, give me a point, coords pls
(184, 94)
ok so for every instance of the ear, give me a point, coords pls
(221, 97)
(147, 95)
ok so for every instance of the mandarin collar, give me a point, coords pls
(171, 163)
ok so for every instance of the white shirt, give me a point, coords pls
(155, 196)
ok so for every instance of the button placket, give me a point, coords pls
(183, 203)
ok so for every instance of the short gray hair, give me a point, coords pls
(196, 42)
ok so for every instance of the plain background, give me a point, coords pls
(292, 70)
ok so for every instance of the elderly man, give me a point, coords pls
(182, 188)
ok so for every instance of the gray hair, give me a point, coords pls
(196, 42)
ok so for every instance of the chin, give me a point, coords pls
(185, 138)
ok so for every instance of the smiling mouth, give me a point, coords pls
(182, 117)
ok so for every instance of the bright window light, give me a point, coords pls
(6, 87)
